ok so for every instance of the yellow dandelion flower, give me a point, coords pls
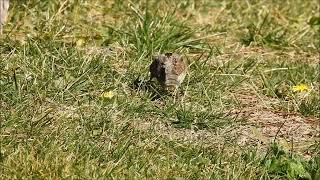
(108, 95)
(301, 88)
(80, 42)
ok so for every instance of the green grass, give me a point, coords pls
(58, 57)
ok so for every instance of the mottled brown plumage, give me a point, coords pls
(169, 69)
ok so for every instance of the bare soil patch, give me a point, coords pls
(263, 125)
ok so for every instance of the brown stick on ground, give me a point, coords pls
(4, 6)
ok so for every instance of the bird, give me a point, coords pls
(169, 69)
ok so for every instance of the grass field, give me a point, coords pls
(248, 108)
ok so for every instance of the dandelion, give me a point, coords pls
(80, 42)
(108, 95)
(301, 88)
